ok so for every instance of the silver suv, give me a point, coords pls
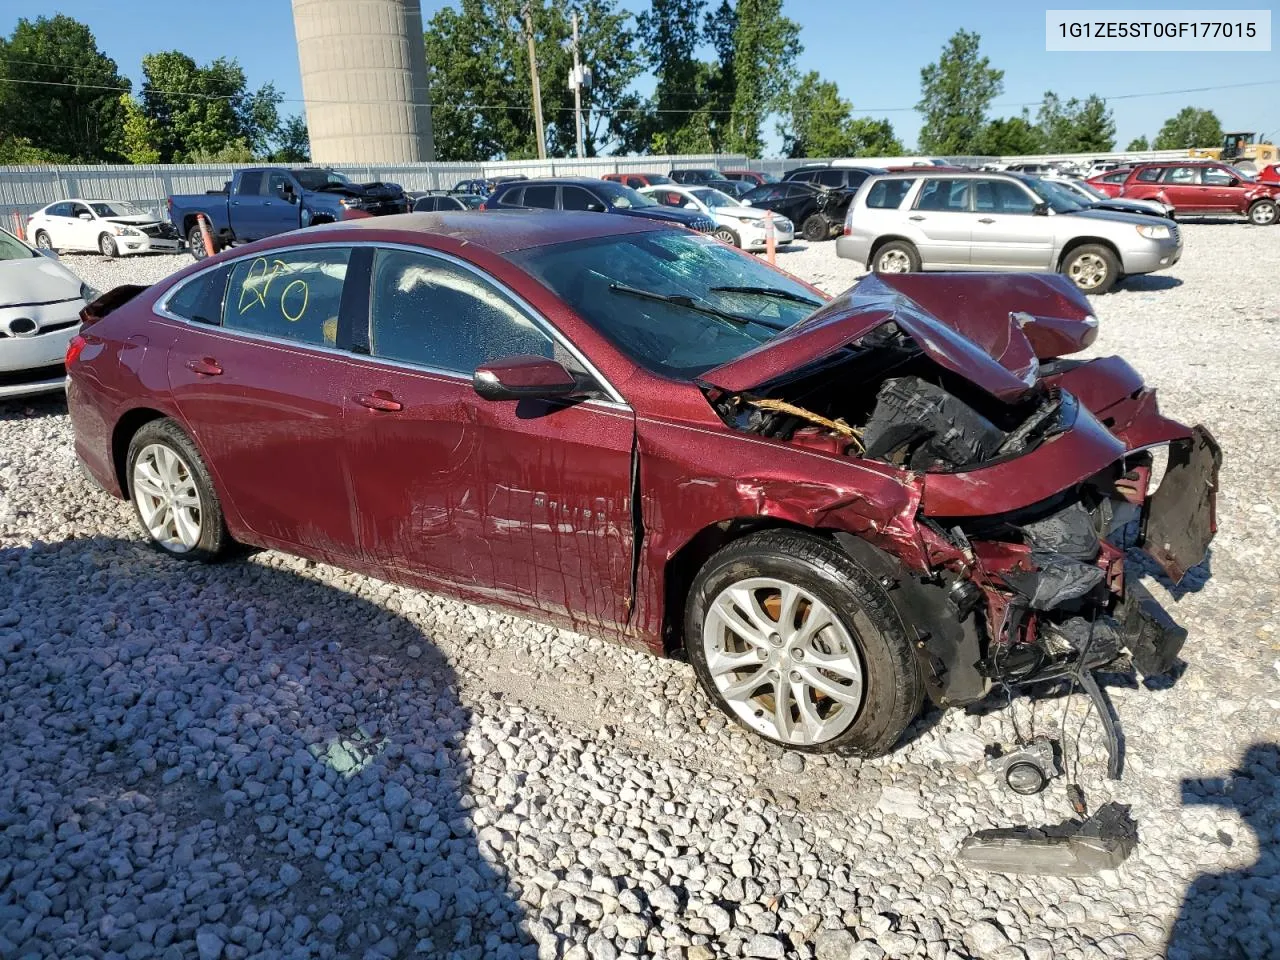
(904, 222)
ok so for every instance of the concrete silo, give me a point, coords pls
(364, 78)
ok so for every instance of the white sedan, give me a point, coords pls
(111, 227)
(737, 223)
(40, 304)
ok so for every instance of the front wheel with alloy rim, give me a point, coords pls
(43, 242)
(173, 495)
(1263, 213)
(195, 242)
(1092, 268)
(795, 641)
(107, 246)
(728, 236)
(897, 256)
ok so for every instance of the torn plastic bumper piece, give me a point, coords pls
(1182, 514)
(1153, 638)
(1069, 849)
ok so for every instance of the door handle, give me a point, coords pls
(986, 220)
(916, 217)
(205, 366)
(379, 400)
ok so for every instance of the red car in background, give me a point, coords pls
(834, 507)
(1112, 181)
(750, 176)
(637, 180)
(1197, 188)
(1269, 174)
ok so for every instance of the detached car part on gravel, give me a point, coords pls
(908, 491)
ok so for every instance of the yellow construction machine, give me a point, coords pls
(1246, 151)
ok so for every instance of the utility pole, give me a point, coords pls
(527, 12)
(577, 87)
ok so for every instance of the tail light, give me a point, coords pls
(74, 348)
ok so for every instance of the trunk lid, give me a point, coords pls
(991, 329)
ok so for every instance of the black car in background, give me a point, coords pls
(433, 202)
(817, 212)
(598, 196)
(825, 175)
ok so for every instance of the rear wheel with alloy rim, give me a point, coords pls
(897, 256)
(1263, 213)
(43, 241)
(796, 642)
(107, 246)
(728, 236)
(173, 495)
(1092, 268)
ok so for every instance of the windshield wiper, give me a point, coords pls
(769, 292)
(681, 300)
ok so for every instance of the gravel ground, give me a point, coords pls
(276, 758)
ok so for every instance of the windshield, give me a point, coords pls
(714, 198)
(116, 208)
(1059, 198)
(616, 195)
(667, 338)
(319, 179)
(11, 248)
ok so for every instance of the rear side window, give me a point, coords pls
(60, 210)
(888, 194)
(1182, 175)
(830, 178)
(250, 183)
(200, 300)
(291, 295)
(543, 197)
(429, 312)
(1150, 174)
(511, 198)
(944, 195)
(635, 183)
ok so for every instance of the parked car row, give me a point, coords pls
(639, 432)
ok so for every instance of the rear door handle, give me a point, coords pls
(205, 366)
(986, 220)
(916, 217)
(380, 400)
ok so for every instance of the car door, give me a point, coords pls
(62, 226)
(1006, 233)
(579, 198)
(943, 223)
(1185, 191)
(1222, 191)
(524, 503)
(264, 388)
(85, 227)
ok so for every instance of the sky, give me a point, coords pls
(872, 51)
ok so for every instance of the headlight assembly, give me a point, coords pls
(1154, 233)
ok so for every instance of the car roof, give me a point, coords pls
(498, 231)
(543, 181)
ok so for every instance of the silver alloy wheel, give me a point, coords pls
(42, 241)
(783, 661)
(1088, 271)
(168, 500)
(1263, 214)
(726, 235)
(894, 261)
(107, 246)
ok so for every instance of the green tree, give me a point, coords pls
(955, 93)
(138, 133)
(197, 111)
(1010, 137)
(233, 151)
(1139, 143)
(292, 145)
(1192, 127)
(60, 93)
(765, 47)
(20, 150)
(1075, 126)
(680, 121)
(820, 123)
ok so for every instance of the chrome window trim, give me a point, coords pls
(542, 323)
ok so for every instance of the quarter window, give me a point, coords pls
(430, 312)
(290, 294)
(200, 300)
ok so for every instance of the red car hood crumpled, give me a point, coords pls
(992, 329)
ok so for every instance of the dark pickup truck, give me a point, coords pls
(263, 201)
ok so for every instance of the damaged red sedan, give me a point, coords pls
(832, 507)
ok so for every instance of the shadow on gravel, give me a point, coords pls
(1149, 282)
(43, 405)
(1233, 915)
(218, 762)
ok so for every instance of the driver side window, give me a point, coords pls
(432, 313)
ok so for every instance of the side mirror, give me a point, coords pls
(85, 216)
(594, 207)
(523, 378)
(1041, 209)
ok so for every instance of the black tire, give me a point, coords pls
(816, 228)
(107, 246)
(1263, 213)
(897, 252)
(728, 236)
(893, 688)
(214, 540)
(1092, 267)
(43, 240)
(195, 243)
